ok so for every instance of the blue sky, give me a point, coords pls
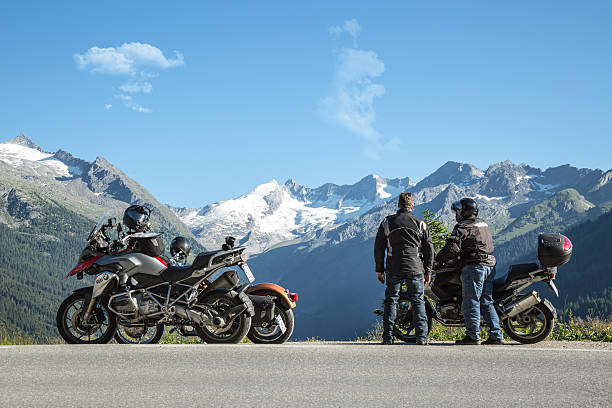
(210, 99)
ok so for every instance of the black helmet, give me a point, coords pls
(179, 247)
(136, 218)
(464, 208)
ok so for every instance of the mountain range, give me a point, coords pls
(316, 241)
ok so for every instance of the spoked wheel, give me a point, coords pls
(404, 325)
(234, 331)
(141, 334)
(99, 329)
(531, 326)
(274, 334)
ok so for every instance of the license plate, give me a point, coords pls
(281, 323)
(247, 272)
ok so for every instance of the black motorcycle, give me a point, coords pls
(524, 317)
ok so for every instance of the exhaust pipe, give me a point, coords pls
(192, 315)
(526, 302)
(199, 317)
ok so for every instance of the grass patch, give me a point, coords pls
(575, 329)
(589, 329)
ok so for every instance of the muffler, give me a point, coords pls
(524, 303)
(192, 315)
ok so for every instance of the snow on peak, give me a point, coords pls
(19, 154)
(272, 213)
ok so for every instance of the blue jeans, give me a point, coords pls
(416, 287)
(477, 292)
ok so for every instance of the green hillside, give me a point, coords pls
(567, 207)
(34, 259)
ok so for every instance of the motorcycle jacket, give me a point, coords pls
(471, 241)
(403, 235)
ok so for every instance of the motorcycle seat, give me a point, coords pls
(177, 273)
(515, 272)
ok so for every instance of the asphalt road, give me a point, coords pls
(307, 375)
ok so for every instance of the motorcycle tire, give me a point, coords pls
(70, 325)
(123, 336)
(538, 313)
(274, 335)
(231, 334)
(404, 325)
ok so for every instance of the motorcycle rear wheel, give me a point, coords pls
(69, 319)
(230, 334)
(273, 334)
(531, 326)
(138, 335)
(404, 326)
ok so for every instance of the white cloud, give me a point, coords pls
(129, 59)
(128, 101)
(140, 62)
(351, 27)
(351, 100)
(108, 106)
(135, 87)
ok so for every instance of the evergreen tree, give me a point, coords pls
(437, 230)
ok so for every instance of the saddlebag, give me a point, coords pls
(227, 280)
(148, 243)
(554, 250)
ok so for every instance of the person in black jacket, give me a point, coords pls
(472, 244)
(402, 235)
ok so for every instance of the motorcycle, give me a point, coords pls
(135, 286)
(272, 323)
(525, 317)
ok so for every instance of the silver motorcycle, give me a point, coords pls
(134, 285)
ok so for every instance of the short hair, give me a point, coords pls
(405, 200)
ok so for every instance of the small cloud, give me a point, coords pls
(138, 61)
(351, 27)
(132, 59)
(108, 106)
(135, 87)
(128, 101)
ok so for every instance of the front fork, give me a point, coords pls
(87, 315)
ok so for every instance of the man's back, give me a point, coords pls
(406, 234)
(471, 240)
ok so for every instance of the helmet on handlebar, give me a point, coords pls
(464, 208)
(180, 248)
(136, 218)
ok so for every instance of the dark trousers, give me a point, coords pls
(415, 286)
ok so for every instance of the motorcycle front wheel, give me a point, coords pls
(139, 334)
(531, 326)
(233, 332)
(99, 329)
(404, 326)
(273, 334)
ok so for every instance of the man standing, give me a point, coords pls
(471, 241)
(402, 235)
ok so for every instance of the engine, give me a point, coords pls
(131, 305)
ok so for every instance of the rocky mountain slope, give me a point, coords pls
(88, 189)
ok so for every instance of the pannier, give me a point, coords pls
(227, 280)
(148, 243)
(554, 250)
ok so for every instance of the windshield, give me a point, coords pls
(103, 219)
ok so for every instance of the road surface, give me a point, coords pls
(550, 374)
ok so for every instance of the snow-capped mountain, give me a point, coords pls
(30, 177)
(24, 154)
(274, 214)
